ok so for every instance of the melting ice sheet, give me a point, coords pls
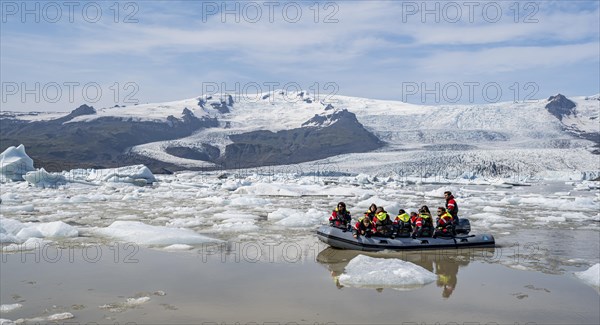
(368, 272)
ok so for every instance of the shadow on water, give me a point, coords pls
(444, 263)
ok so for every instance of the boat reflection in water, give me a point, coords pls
(444, 263)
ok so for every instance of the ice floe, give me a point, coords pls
(369, 272)
(144, 234)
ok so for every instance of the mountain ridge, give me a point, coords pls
(224, 131)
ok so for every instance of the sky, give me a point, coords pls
(55, 56)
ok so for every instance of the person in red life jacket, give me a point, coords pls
(383, 224)
(364, 227)
(423, 224)
(402, 224)
(444, 224)
(413, 219)
(340, 217)
(371, 212)
(451, 206)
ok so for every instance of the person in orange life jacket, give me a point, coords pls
(383, 223)
(364, 227)
(451, 206)
(423, 224)
(402, 224)
(340, 217)
(444, 223)
(371, 212)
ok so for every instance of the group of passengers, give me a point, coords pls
(377, 222)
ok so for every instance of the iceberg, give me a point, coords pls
(14, 163)
(136, 174)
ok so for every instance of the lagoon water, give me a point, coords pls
(264, 263)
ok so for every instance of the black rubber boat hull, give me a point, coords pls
(339, 238)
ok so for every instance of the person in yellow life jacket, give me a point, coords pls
(383, 224)
(402, 224)
(423, 224)
(444, 223)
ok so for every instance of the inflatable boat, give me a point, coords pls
(342, 238)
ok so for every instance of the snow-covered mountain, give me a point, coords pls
(348, 134)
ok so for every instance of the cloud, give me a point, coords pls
(507, 59)
(368, 48)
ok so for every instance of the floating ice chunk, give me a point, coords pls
(310, 218)
(511, 200)
(486, 220)
(282, 213)
(551, 219)
(368, 272)
(131, 302)
(29, 232)
(10, 226)
(6, 322)
(29, 244)
(298, 222)
(249, 201)
(8, 238)
(7, 197)
(362, 179)
(186, 222)
(502, 225)
(236, 225)
(269, 190)
(10, 307)
(14, 163)
(389, 206)
(57, 229)
(136, 174)
(143, 234)
(591, 276)
(41, 178)
(61, 316)
(580, 203)
(178, 247)
(492, 209)
(228, 215)
(17, 208)
(231, 185)
(439, 192)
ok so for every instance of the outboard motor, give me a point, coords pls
(463, 227)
